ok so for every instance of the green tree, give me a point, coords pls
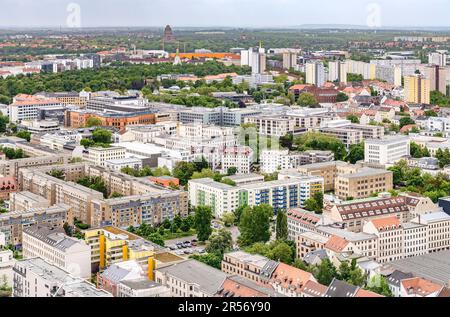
(210, 259)
(254, 224)
(4, 120)
(102, 136)
(406, 121)
(326, 272)
(281, 226)
(232, 171)
(341, 97)
(418, 151)
(87, 143)
(24, 135)
(93, 122)
(319, 141)
(156, 238)
(220, 242)
(282, 252)
(307, 100)
(203, 217)
(356, 153)
(378, 284)
(183, 171)
(228, 219)
(311, 204)
(353, 118)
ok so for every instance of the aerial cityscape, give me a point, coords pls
(267, 157)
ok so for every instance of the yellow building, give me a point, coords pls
(111, 245)
(417, 89)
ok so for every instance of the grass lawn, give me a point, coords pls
(180, 234)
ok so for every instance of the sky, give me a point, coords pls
(236, 13)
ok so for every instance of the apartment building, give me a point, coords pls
(282, 194)
(315, 73)
(37, 278)
(275, 160)
(337, 72)
(290, 281)
(253, 267)
(417, 89)
(437, 76)
(414, 239)
(363, 183)
(389, 231)
(240, 157)
(58, 191)
(8, 186)
(386, 150)
(328, 171)
(54, 246)
(13, 223)
(99, 156)
(150, 208)
(25, 200)
(7, 262)
(355, 213)
(437, 230)
(272, 125)
(300, 221)
(191, 279)
(222, 198)
(110, 245)
(309, 241)
(12, 167)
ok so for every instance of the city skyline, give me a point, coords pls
(202, 13)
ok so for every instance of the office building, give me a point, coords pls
(364, 183)
(387, 150)
(26, 107)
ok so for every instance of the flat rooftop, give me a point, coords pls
(434, 266)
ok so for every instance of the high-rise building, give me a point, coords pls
(289, 60)
(417, 89)
(337, 71)
(438, 58)
(255, 58)
(315, 73)
(437, 75)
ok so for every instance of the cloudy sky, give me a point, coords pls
(245, 13)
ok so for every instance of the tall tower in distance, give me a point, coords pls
(168, 34)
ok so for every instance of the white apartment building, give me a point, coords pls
(191, 278)
(437, 230)
(99, 156)
(222, 198)
(55, 247)
(37, 278)
(415, 239)
(337, 71)
(389, 231)
(275, 160)
(240, 157)
(438, 124)
(438, 58)
(198, 130)
(6, 265)
(386, 150)
(272, 125)
(315, 73)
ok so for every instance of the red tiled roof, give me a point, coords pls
(336, 244)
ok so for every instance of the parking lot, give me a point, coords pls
(186, 247)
